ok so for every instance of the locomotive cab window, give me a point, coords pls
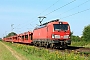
(58, 27)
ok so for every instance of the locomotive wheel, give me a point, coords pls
(37, 44)
(52, 45)
(46, 45)
(40, 44)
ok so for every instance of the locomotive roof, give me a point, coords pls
(43, 25)
(50, 22)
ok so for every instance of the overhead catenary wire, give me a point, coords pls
(59, 7)
(55, 9)
(75, 7)
(42, 12)
(29, 24)
(18, 29)
(49, 7)
(46, 9)
(75, 13)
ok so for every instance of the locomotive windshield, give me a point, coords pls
(59, 27)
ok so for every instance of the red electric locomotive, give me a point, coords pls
(54, 34)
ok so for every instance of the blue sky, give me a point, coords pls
(24, 14)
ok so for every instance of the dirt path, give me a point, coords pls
(14, 53)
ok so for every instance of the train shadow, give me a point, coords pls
(73, 47)
(70, 48)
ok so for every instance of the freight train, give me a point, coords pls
(53, 34)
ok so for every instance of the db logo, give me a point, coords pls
(61, 36)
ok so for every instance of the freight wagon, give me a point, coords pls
(25, 37)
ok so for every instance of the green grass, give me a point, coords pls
(81, 44)
(22, 49)
(34, 53)
(5, 54)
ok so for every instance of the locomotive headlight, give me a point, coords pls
(66, 36)
(56, 36)
(69, 37)
(53, 36)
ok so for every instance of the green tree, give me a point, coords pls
(86, 33)
(75, 38)
(11, 34)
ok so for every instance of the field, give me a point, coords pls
(5, 54)
(35, 53)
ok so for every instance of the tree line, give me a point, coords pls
(85, 35)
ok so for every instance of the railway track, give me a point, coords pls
(77, 50)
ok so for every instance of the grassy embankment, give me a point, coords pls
(81, 43)
(5, 54)
(34, 53)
